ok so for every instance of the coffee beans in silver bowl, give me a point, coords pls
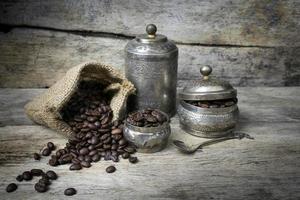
(148, 130)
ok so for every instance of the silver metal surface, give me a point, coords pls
(207, 122)
(148, 139)
(208, 88)
(151, 65)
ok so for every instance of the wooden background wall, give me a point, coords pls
(248, 42)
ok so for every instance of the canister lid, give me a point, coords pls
(151, 35)
(150, 43)
(208, 88)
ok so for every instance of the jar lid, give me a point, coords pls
(208, 88)
(150, 43)
(151, 35)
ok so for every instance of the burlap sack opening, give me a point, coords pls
(45, 109)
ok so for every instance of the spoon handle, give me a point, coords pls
(216, 140)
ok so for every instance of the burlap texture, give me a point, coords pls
(45, 109)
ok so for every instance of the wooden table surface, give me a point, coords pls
(265, 168)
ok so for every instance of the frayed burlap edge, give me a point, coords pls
(45, 109)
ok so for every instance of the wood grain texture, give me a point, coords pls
(264, 168)
(221, 22)
(38, 58)
(259, 104)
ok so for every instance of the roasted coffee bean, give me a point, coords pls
(41, 188)
(70, 192)
(95, 140)
(85, 164)
(75, 161)
(114, 158)
(36, 156)
(88, 158)
(125, 155)
(75, 167)
(51, 146)
(27, 176)
(84, 151)
(19, 178)
(53, 162)
(11, 187)
(36, 172)
(122, 142)
(46, 152)
(116, 131)
(93, 152)
(51, 175)
(146, 118)
(129, 149)
(96, 157)
(44, 181)
(110, 169)
(133, 159)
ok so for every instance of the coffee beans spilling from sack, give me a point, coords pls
(96, 136)
(214, 103)
(146, 118)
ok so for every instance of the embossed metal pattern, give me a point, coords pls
(152, 68)
(148, 140)
(207, 122)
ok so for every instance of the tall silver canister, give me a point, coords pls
(151, 65)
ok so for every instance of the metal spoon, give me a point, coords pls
(192, 149)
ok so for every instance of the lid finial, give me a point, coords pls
(205, 71)
(151, 30)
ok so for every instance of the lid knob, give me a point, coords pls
(205, 71)
(151, 30)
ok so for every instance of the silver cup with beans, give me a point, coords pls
(148, 130)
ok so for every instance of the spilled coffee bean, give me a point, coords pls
(146, 118)
(46, 152)
(27, 176)
(70, 192)
(36, 172)
(36, 156)
(11, 187)
(51, 175)
(19, 178)
(133, 160)
(41, 188)
(110, 169)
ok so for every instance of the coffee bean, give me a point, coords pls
(96, 157)
(114, 158)
(51, 175)
(93, 152)
(146, 118)
(51, 146)
(133, 159)
(70, 192)
(110, 169)
(125, 155)
(46, 152)
(94, 140)
(11, 187)
(85, 164)
(27, 176)
(84, 151)
(36, 172)
(44, 181)
(53, 162)
(36, 156)
(88, 158)
(122, 142)
(129, 149)
(116, 131)
(75, 167)
(19, 178)
(40, 187)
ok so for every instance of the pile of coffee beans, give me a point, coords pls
(42, 184)
(89, 115)
(214, 103)
(146, 118)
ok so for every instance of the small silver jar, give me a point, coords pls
(148, 139)
(207, 122)
(151, 65)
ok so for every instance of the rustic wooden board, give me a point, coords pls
(38, 58)
(264, 168)
(261, 104)
(221, 22)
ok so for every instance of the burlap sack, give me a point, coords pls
(45, 109)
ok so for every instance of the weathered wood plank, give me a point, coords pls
(264, 168)
(243, 22)
(38, 58)
(259, 104)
